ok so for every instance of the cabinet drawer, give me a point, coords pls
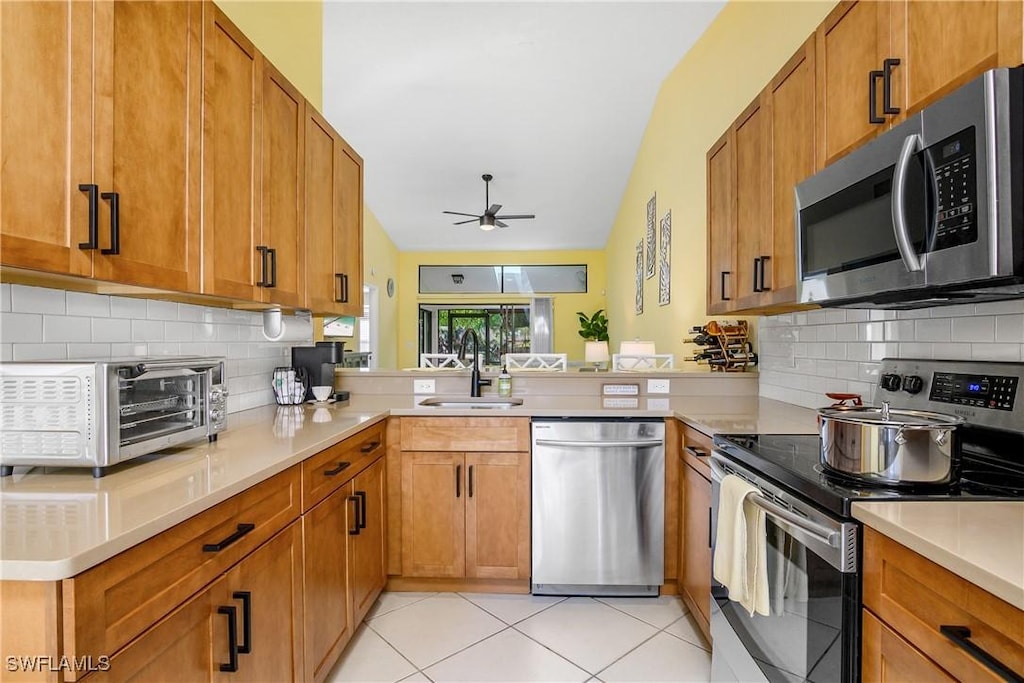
(915, 597)
(108, 605)
(465, 434)
(889, 658)
(326, 471)
(697, 450)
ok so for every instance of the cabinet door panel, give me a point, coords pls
(697, 557)
(148, 103)
(366, 559)
(232, 82)
(272, 577)
(851, 42)
(45, 56)
(792, 160)
(498, 515)
(889, 658)
(322, 212)
(328, 615)
(348, 244)
(433, 515)
(943, 45)
(752, 207)
(282, 187)
(721, 225)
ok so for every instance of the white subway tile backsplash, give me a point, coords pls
(1010, 328)
(846, 332)
(915, 350)
(899, 330)
(933, 329)
(1001, 307)
(161, 310)
(826, 333)
(66, 328)
(879, 314)
(835, 315)
(21, 327)
(836, 351)
(111, 330)
(24, 352)
(914, 314)
(857, 315)
(127, 307)
(37, 300)
(128, 349)
(858, 351)
(147, 330)
(88, 351)
(91, 305)
(974, 329)
(1003, 352)
(5, 297)
(951, 351)
(883, 350)
(825, 368)
(872, 332)
(958, 311)
(847, 370)
(6, 352)
(175, 331)
(164, 349)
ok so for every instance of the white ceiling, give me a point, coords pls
(551, 98)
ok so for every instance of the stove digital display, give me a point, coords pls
(995, 392)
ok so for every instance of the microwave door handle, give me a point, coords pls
(911, 259)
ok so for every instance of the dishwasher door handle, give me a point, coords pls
(646, 443)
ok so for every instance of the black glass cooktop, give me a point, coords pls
(793, 460)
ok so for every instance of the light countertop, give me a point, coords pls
(982, 541)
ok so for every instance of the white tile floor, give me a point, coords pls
(491, 637)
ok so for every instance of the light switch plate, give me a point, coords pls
(423, 386)
(658, 404)
(658, 386)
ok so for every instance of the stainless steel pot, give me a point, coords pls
(890, 447)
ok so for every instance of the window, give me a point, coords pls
(544, 279)
(501, 328)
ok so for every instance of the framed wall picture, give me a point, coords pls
(665, 261)
(341, 326)
(640, 277)
(652, 219)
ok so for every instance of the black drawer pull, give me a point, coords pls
(246, 598)
(458, 481)
(115, 223)
(242, 530)
(341, 465)
(263, 281)
(887, 66)
(960, 635)
(722, 283)
(873, 77)
(361, 509)
(354, 531)
(369, 447)
(232, 616)
(696, 452)
(469, 477)
(94, 216)
(710, 544)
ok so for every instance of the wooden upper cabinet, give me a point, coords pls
(148, 104)
(791, 160)
(721, 209)
(943, 45)
(852, 42)
(348, 235)
(232, 83)
(753, 214)
(46, 138)
(281, 192)
(498, 515)
(323, 209)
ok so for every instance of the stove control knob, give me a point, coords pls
(912, 384)
(890, 382)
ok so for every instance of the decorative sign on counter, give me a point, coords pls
(620, 389)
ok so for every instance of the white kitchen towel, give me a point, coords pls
(740, 562)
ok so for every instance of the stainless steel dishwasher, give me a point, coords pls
(598, 507)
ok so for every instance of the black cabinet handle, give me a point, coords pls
(263, 282)
(757, 268)
(342, 297)
(232, 616)
(354, 531)
(369, 447)
(341, 465)
(470, 476)
(115, 223)
(273, 268)
(722, 284)
(960, 635)
(246, 598)
(873, 77)
(242, 530)
(887, 66)
(710, 544)
(764, 262)
(94, 216)
(361, 513)
(458, 481)
(695, 452)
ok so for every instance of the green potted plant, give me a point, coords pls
(594, 328)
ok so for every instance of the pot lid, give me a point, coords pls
(892, 417)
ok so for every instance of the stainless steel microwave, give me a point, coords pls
(927, 214)
(101, 413)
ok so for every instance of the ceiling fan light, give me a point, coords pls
(487, 222)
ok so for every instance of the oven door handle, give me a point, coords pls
(911, 259)
(165, 374)
(646, 443)
(815, 531)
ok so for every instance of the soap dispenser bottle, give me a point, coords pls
(504, 383)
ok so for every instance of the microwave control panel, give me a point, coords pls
(980, 391)
(954, 161)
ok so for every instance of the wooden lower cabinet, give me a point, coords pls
(466, 515)
(890, 658)
(366, 548)
(695, 555)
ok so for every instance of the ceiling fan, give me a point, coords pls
(489, 219)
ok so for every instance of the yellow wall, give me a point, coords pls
(380, 262)
(567, 339)
(724, 71)
(290, 34)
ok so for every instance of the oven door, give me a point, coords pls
(812, 633)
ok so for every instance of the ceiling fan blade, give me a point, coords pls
(511, 218)
(471, 220)
(500, 224)
(459, 213)
(495, 208)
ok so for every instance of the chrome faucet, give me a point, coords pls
(474, 379)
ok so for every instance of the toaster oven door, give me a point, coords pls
(159, 407)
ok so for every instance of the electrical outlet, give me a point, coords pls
(423, 386)
(657, 386)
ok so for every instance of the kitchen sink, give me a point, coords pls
(469, 402)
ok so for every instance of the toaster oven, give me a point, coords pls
(100, 413)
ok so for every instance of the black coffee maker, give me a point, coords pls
(317, 363)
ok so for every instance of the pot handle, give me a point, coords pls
(842, 398)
